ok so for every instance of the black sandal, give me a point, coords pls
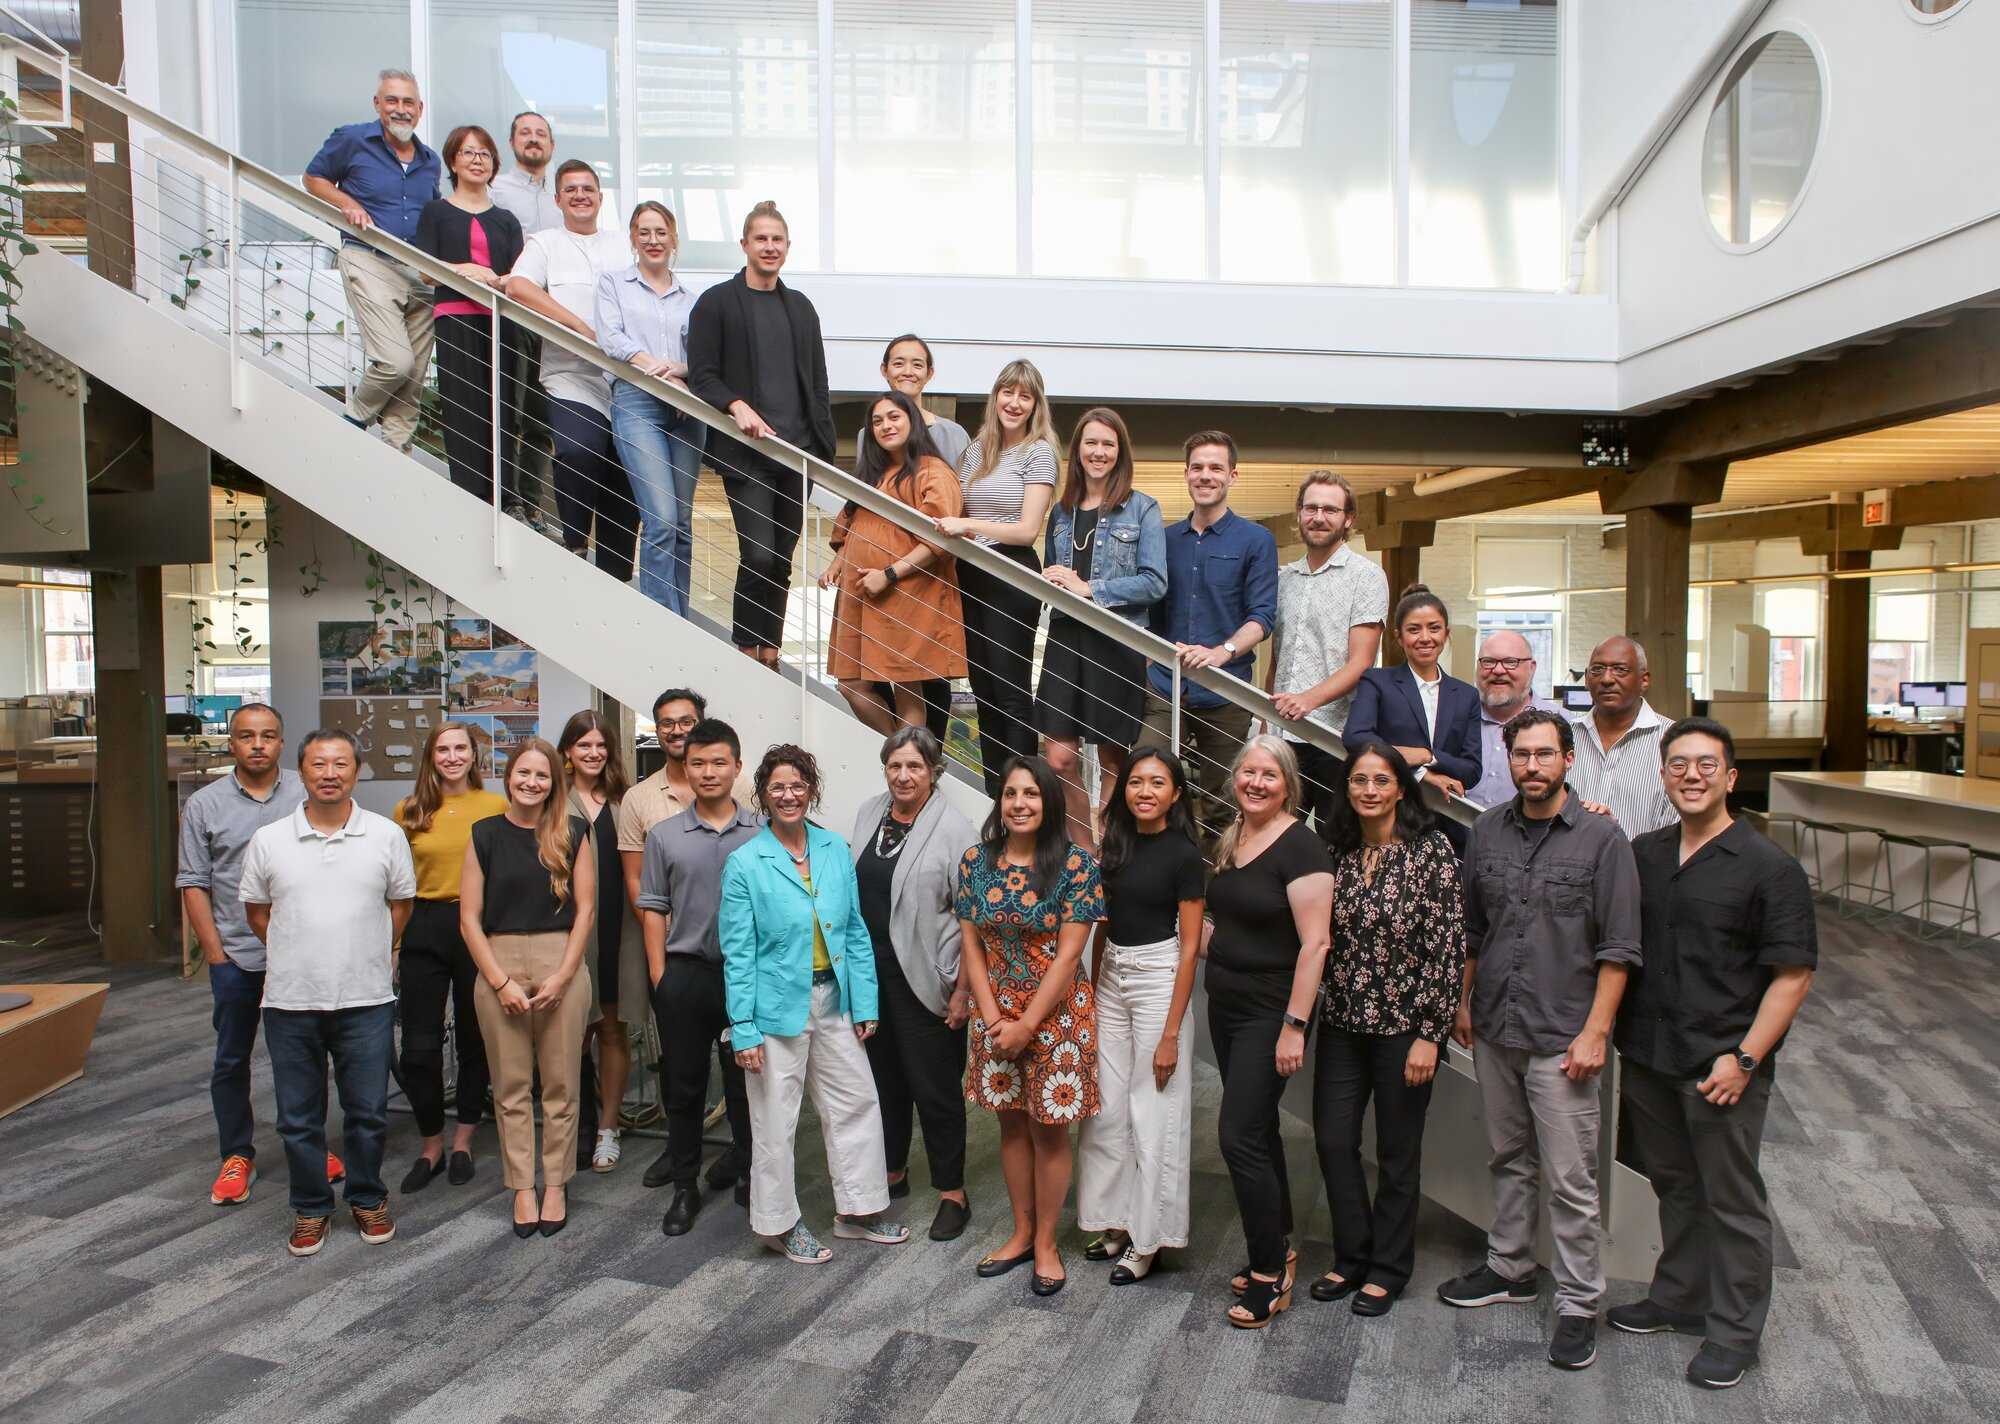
(1240, 1282)
(1262, 1300)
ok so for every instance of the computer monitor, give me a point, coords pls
(1923, 694)
(1954, 694)
(177, 703)
(1575, 697)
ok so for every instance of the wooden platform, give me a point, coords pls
(44, 1043)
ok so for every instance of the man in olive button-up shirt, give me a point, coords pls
(1552, 930)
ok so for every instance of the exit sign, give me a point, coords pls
(1875, 509)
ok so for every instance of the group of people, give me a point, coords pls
(922, 966)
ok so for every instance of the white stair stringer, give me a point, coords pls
(606, 632)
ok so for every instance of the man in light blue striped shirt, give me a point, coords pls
(1618, 740)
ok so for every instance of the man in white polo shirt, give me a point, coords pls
(329, 889)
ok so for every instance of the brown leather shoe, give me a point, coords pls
(375, 1224)
(308, 1235)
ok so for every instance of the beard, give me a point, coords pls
(1491, 697)
(402, 133)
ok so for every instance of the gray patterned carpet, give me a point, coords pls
(127, 1296)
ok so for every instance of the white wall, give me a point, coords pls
(1898, 217)
(18, 653)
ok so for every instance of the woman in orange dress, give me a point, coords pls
(897, 620)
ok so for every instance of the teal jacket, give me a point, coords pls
(766, 924)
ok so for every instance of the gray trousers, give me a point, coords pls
(1715, 1220)
(1537, 1121)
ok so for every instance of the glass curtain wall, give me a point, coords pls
(489, 62)
(1143, 144)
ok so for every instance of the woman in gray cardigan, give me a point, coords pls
(907, 843)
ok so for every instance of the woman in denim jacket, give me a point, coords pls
(1106, 542)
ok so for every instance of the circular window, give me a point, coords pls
(1930, 11)
(1762, 135)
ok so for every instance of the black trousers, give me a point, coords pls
(1000, 661)
(525, 423)
(1715, 1219)
(764, 505)
(465, 391)
(436, 967)
(919, 1064)
(1325, 780)
(689, 1007)
(1244, 1028)
(1372, 1243)
(592, 490)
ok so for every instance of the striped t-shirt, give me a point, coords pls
(998, 496)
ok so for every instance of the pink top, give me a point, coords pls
(481, 254)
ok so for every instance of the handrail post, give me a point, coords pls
(494, 373)
(812, 592)
(233, 250)
(1176, 738)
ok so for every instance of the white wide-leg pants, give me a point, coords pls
(1133, 1157)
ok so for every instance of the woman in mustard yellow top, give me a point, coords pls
(438, 817)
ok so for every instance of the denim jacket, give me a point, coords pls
(1128, 569)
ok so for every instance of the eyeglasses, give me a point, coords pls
(1370, 783)
(1324, 511)
(1537, 756)
(476, 153)
(796, 791)
(1502, 664)
(1613, 669)
(1708, 766)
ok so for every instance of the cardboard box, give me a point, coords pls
(43, 1045)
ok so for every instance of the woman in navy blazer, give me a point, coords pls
(798, 971)
(1389, 701)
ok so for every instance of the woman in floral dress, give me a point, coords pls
(1027, 901)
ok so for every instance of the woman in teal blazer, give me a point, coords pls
(798, 970)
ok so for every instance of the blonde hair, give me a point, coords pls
(552, 840)
(1288, 769)
(1022, 375)
(765, 209)
(415, 812)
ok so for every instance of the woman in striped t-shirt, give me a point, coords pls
(1009, 478)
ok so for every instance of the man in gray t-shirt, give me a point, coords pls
(216, 826)
(680, 894)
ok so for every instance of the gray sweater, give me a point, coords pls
(922, 928)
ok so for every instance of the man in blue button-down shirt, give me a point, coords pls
(380, 174)
(1222, 601)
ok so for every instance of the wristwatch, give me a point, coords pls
(1229, 647)
(892, 573)
(1293, 1022)
(1746, 1061)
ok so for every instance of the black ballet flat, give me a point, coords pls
(993, 1266)
(459, 1170)
(1373, 1305)
(1048, 1285)
(1325, 1289)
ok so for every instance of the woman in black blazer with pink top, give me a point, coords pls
(1429, 716)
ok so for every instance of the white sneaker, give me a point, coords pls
(604, 1156)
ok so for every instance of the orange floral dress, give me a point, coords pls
(1055, 1078)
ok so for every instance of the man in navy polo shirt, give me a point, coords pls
(380, 175)
(1222, 601)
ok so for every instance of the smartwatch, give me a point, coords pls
(1746, 1061)
(893, 574)
(1293, 1022)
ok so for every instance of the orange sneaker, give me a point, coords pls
(335, 1169)
(232, 1183)
(308, 1235)
(374, 1223)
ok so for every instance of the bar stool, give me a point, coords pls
(1870, 896)
(1967, 909)
(1955, 917)
(1792, 825)
(1881, 901)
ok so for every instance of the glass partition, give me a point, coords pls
(1118, 139)
(728, 99)
(1485, 144)
(1306, 114)
(490, 63)
(923, 137)
(303, 69)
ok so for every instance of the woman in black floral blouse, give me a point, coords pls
(1391, 985)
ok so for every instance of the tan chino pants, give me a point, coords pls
(519, 1044)
(391, 305)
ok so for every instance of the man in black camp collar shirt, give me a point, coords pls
(1726, 923)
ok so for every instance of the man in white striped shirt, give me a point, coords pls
(1618, 740)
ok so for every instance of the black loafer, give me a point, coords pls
(661, 1172)
(1324, 1289)
(419, 1176)
(950, 1222)
(725, 1171)
(1372, 1305)
(899, 1188)
(742, 1194)
(1000, 1265)
(459, 1171)
(680, 1216)
(1048, 1285)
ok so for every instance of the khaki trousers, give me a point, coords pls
(519, 1044)
(391, 305)
(1539, 1124)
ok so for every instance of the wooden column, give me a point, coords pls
(1844, 661)
(135, 816)
(1656, 599)
(107, 172)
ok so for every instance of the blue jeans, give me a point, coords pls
(359, 1042)
(661, 450)
(239, 997)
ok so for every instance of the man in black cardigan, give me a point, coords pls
(754, 350)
